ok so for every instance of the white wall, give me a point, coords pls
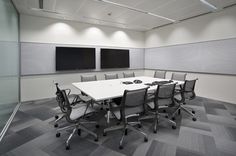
(46, 30)
(214, 26)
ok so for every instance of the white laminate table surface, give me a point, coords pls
(109, 89)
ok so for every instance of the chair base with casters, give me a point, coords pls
(125, 126)
(181, 107)
(77, 127)
(156, 116)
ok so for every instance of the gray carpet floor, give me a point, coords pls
(213, 134)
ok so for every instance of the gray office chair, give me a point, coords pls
(73, 98)
(126, 75)
(178, 76)
(132, 105)
(84, 96)
(111, 76)
(164, 98)
(88, 78)
(185, 93)
(160, 74)
(75, 116)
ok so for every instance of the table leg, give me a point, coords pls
(108, 116)
(108, 111)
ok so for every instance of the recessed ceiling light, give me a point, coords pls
(152, 14)
(211, 6)
(48, 11)
(135, 9)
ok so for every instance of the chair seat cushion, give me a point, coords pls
(72, 98)
(128, 111)
(151, 105)
(85, 98)
(79, 111)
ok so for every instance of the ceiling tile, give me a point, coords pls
(222, 3)
(69, 6)
(97, 12)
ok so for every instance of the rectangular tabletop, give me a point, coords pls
(108, 89)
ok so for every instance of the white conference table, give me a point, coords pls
(108, 89)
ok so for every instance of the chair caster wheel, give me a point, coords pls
(154, 131)
(164, 111)
(173, 127)
(139, 126)
(145, 139)
(126, 131)
(96, 139)
(97, 126)
(193, 111)
(173, 118)
(79, 132)
(120, 147)
(56, 125)
(58, 135)
(194, 119)
(67, 147)
(104, 134)
(56, 116)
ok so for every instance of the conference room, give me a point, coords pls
(118, 77)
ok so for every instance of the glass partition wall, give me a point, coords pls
(9, 62)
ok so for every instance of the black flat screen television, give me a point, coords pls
(114, 58)
(73, 58)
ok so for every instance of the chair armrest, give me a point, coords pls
(69, 90)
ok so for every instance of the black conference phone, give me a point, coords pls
(127, 82)
(137, 81)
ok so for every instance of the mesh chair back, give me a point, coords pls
(133, 102)
(164, 95)
(178, 76)
(126, 75)
(188, 89)
(88, 78)
(160, 74)
(60, 98)
(111, 76)
(68, 107)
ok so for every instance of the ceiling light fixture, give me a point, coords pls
(135, 9)
(99, 21)
(48, 11)
(211, 6)
(152, 14)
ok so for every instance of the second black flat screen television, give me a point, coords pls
(74, 58)
(114, 58)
